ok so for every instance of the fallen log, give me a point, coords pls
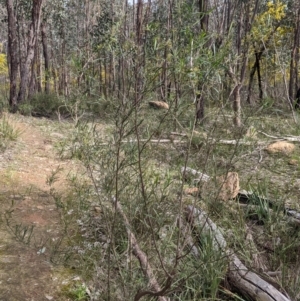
(245, 281)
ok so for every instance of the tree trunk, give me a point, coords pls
(293, 83)
(237, 105)
(32, 37)
(13, 61)
(255, 68)
(244, 24)
(100, 80)
(200, 104)
(204, 18)
(46, 57)
(261, 93)
(52, 66)
(139, 60)
(32, 82)
(35, 84)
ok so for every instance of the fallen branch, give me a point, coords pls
(151, 141)
(247, 282)
(211, 140)
(287, 138)
(144, 262)
(179, 134)
(187, 172)
(241, 141)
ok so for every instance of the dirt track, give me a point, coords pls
(26, 272)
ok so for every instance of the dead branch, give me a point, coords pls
(211, 140)
(243, 142)
(188, 172)
(151, 141)
(179, 134)
(251, 284)
(246, 281)
(143, 259)
(287, 138)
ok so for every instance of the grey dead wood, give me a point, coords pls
(211, 140)
(287, 138)
(177, 141)
(245, 281)
(151, 141)
(188, 172)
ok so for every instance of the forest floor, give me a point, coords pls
(33, 220)
(29, 215)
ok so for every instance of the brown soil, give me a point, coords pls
(26, 272)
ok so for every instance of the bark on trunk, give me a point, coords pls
(293, 83)
(237, 105)
(32, 37)
(255, 67)
(200, 108)
(46, 57)
(139, 59)
(261, 93)
(204, 19)
(13, 54)
(34, 83)
(244, 24)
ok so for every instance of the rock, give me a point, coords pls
(229, 186)
(280, 147)
(159, 105)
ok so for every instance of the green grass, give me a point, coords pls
(8, 132)
(148, 185)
